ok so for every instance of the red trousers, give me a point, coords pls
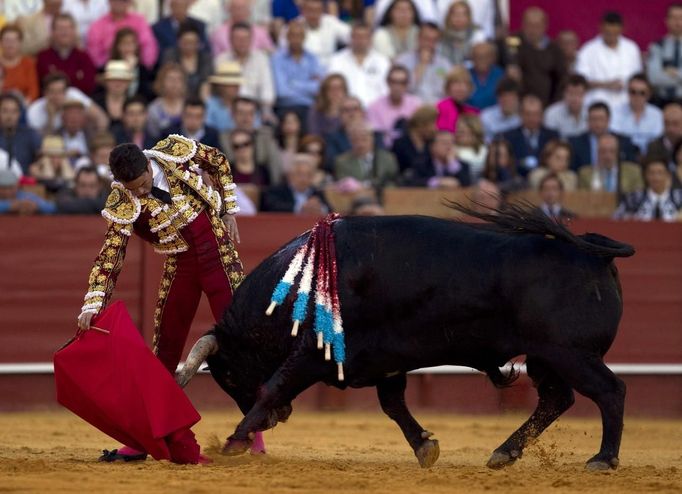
(194, 271)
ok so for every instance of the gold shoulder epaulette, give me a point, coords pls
(175, 148)
(122, 206)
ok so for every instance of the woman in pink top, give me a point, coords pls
(458, 87)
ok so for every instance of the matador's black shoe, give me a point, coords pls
(114, 455)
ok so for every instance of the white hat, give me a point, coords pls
(228, 73)
(117, 70)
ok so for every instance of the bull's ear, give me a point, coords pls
(205, 346)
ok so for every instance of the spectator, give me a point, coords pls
(133, 126)
(226, 83)
(413, 147)
(366, 206)
(637, 119)
(539, 63)
(658, 201)
(500, 167)
(17, 139)
(85, 13)
(284, 11)
(483, 14)
(9, 163)
(442, 170)
(74, 132)
(245, 169)
(551, 189)
(664, 146)
(192, 124)
(297, 74)
(63, 55)
(210, 12)
(88, 195)
(256, 70)
(584, 146)
(313, 146)
(389, 113)
(324, 115)
(37, 27)
(664, 63)
(298, 195)
(488, 197)
(555, 160)
(485, 75)
(470, 144)
(398, 31)
(365, 163)
(53, 169)
(289, 133)
(504, 115)
(608, 61)
(167, 29)
(103, 31)
(45, 114)
(166, 109)
(16, 201)
(239, 12)
(569, 43)
(609, 174)
(460, 34)
(195, 60)
(458, 88)
(324, 32)
(427, 66)
(126, 48)
(364, 68)
(117, 78)
(338, 142)
(569, 116)
(352, 11)
(100, 147)
(20, 72)
(244, 111)
(531, 136)
(677, 166)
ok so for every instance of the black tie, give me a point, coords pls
(657, 211)
(162, 195)
(676, 54)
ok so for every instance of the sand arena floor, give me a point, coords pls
(342, 452)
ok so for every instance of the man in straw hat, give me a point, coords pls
(225, 84)
(180, 197)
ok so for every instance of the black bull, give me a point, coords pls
(420, 292)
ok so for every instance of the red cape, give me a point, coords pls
(114, 382)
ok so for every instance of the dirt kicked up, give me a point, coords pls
(342, 453)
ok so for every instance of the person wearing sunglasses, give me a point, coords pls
(641, 121)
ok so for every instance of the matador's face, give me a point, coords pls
(142, 185)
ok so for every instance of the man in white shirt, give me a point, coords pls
(658, 201)
(324, 32)
(365, 69)
(608, 61)
(504, 115)
(637, 119)
(256, 70)
(569, 116)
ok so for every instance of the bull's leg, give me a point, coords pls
(590, 377)
(298, 373)
(391, 393)
(555, 396)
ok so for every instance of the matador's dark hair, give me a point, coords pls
(127, 162)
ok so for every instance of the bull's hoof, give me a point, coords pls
(601, 465)
(428, 453)
(234, 447)
(500, 459)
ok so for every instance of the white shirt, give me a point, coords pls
(85, 13)
(367, 81)
(257, 73)
(642, 132)
(158, 177)
(495, 122)
(599, 63)
(323, 40)
(559, 118)
(209, 11)
(14, 167)
(77, 142)
(37, 111)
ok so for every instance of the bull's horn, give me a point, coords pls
(205, 346)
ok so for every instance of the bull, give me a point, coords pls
(420, 292)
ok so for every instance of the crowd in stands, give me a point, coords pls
(307, 96)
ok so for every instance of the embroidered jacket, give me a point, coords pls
(182, 161)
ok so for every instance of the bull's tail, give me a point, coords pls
(526, 218)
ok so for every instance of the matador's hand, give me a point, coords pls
(231, 225)
(84, 320)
